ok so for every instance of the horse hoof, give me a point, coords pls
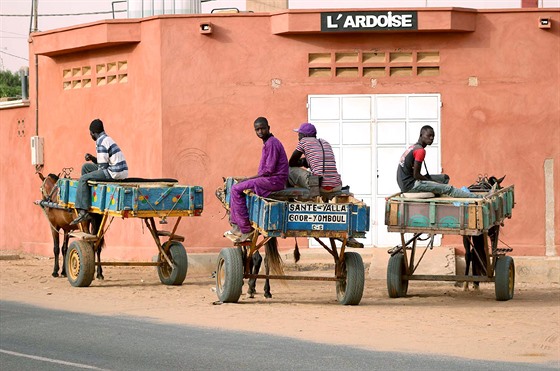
(268, 296)
(55, 274)
(100, 277)
(465, 286)
(250, 295)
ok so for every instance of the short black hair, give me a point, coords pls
(426, 128)
(261, 120)
(96, 126)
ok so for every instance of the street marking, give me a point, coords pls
(50, 360)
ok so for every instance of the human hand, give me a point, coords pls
(89, 157)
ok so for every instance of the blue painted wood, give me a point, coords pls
(133, 198)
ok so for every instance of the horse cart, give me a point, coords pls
(130, 198)
(478, 220)
(293, 213)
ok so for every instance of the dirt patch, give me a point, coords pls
(436, 318)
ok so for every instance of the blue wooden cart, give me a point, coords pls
(132, 198)
(405, 213)
(283, 215)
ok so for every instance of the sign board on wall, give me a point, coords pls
(369, 21)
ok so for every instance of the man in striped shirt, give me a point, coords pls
(108, 164)
(319, 159)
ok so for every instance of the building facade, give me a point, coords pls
(179, 93)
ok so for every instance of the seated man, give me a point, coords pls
(319, 159)
(411, 180)
(109, 164)
(272, 176)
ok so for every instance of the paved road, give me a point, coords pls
(33, 338)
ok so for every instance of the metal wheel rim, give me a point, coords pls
(165, 268)
(221, 275)
(510, 280)
(73, 265)
(341, 284)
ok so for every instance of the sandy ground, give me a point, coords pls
(436, 318)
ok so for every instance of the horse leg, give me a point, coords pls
(267, 293)
(468, 259)
(99, 275)
(64, 250)
(256, 262)
(56, 251)
(95, 225)
(478, 259)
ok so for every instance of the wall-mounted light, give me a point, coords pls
(544, 22)
(205, 28)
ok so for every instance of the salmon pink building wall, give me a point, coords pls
(190, 98)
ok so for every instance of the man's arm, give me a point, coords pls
(416, 171)
(297, 161)
(90, 157)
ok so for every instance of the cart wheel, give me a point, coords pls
(505, 278)
(229, 275)
(80, 263)
(350, 291)
(175, 275)
(396, 286)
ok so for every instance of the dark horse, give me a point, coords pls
(475, 253)
(272, 260)
(59, 220)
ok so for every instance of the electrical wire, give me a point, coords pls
(12, 55)
(63, 15)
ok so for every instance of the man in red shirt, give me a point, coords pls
(411, 180)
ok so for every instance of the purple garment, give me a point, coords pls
(272, 176)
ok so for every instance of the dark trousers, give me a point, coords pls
(90, 171)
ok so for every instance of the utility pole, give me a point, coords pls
(35, 16)
(35, 28)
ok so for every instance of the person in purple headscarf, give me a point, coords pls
(272, 176)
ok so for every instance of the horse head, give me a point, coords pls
(484, 183)
(49, 189)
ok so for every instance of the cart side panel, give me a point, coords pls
(464, 216)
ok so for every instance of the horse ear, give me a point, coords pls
(501, 179)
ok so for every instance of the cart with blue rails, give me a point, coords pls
(339, 219)
(132, 198)
(454, 216)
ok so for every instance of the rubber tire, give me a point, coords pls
(504, 278)
(173, 275)
(80, 263)
(396, 286)
(229, 275)
(350, 291)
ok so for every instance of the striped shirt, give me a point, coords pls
(313, 152)
(110, 157)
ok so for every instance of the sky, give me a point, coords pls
(15, 17)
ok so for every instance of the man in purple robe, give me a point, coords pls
(272, 176)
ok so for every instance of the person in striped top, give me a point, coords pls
(108, 164)
(319, 159)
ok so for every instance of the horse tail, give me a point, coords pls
(297, 255)
(273, 257)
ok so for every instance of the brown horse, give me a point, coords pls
(59, 220)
